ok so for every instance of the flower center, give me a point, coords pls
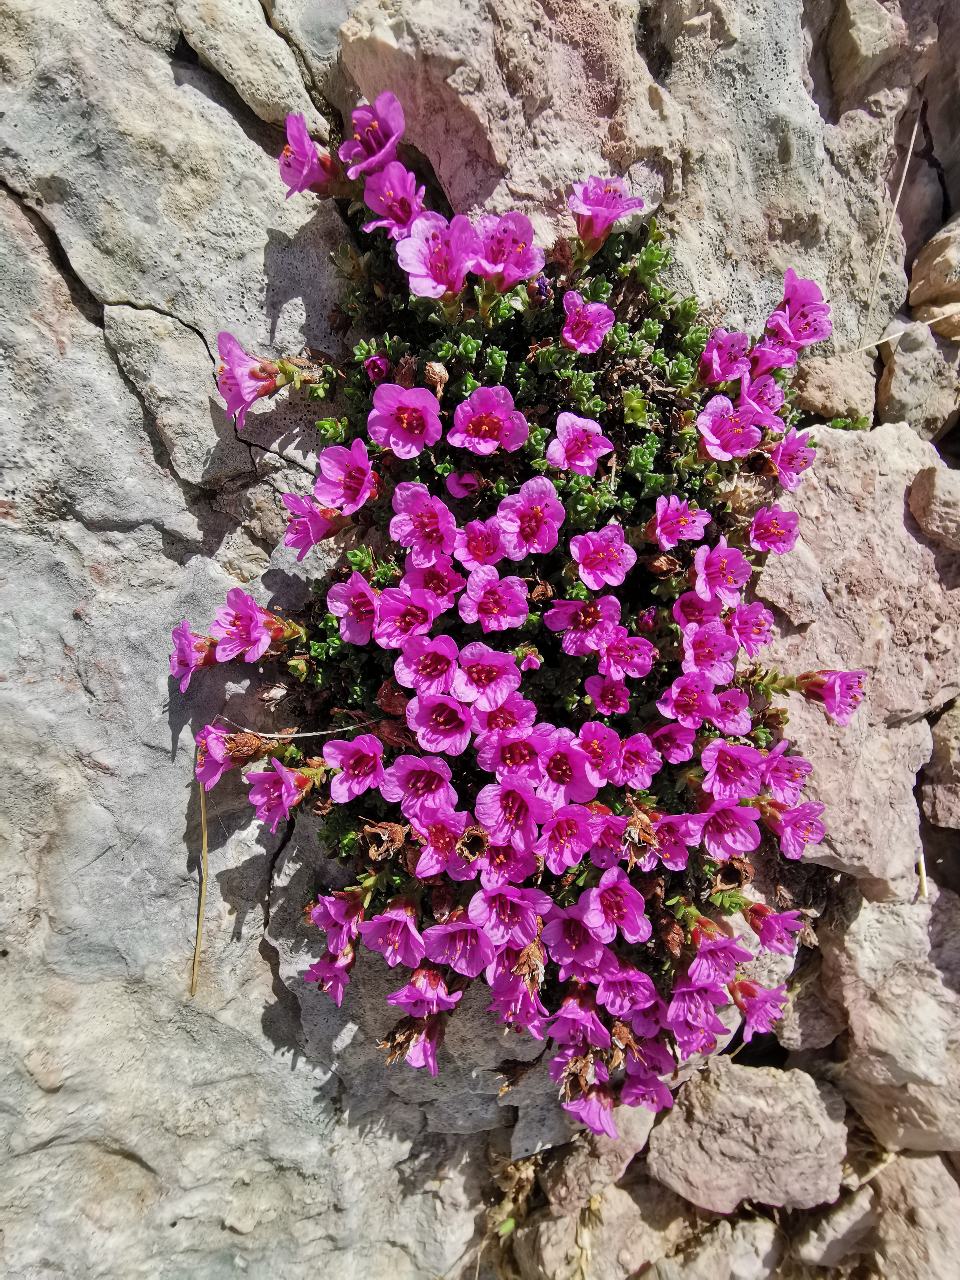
(485, 426)
(559, 768)
(410, 420)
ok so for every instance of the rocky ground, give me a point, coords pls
(254, 1128)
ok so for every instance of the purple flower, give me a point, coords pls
(242, 378)
(731, 771)
(675, 742)
(479, 543)
(190, 653)
(675, 522)
(503, 864)
(784, 776)
(690, 700)
(461, 944)
(404, 420)
(529, 521)
(496, 603)
(623, 990)
(725, 356)
(596, 205)
(302, 166)
(360, 762)
(339, 915)
(584, 623)
(436, 255)
(622, 655)
(692, 1019)
(403, 612)
(763, 396)
(717, 958)
(355, 603)
(514, 1002)
(394, 194)
(425, 994)
(510, 812)
(688, 608)
(727, 432)
(578, 444)
(709, 650)
(774, 529)
(751, 626)
(643, 1089)
(571, 944)
(796, 828)
(840, 692)
(427, 664)
(603, 558)
(423, 523)
(422, 1050)
(803, 317)
(346, 480)
(594, 1108)
(308, 523)
(377, 368)
(213, 757)
(674, 835)
(509, 756)
(762, 1007)
(775, 929)
(602, 747)
(608, 839)
(791, 457)
(614, 905)
(566, 768)
(486, 676)
(462, 484)
(419, 784)
(770, 353)
(576, 1023)
(376, 131)
(587, 323)
(733, 712)
(275, 792)
(242, 627)
(610, 697)
(440, 578)
(440, 722)
(566, 837)
(508, 915)
(487, 420)
(513, 718)
(441, 829)
(332, 973)
(727, 830)
(507, 253)
(395, 935)
(637, 763)
(720, 571)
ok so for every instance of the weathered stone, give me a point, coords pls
(918, 1227)
(935, 282)
(311, 31)
(895, 969)
(902, 627)
(920, 383)
(232, 37)
(750, 1249)
(810, 1020)
(743, 1133)
(864, 38)
(621, 1234)
(837, 386)
(841, 1234)
(940, 788)
(935, 504)
(593, 1162)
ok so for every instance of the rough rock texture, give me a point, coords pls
(255, 1128)
(895, 970)
(840, 603)
(935, 505)
(935, 282)
(920, 383)
(841, 1234)
(940, 789)
(621, 1234)
(742, 1133)
(594, 1162)
(918, 1230)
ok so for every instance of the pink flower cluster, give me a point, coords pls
(533, 850)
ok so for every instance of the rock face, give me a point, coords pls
(256, 1128)
(920, 383)
(940, 790)
(741, 1133)
(895, 969)
(839, 605)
